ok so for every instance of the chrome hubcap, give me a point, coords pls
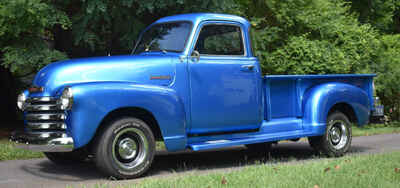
(335, 134)
(130, 148)
(127, 148)
(338, 134)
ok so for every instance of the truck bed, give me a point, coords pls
(283, 94)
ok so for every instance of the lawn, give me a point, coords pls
(8, 151)
(374, 129)
(381, 170)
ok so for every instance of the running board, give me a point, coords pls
(214, 144)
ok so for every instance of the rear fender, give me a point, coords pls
(93, 101)
(320, 99)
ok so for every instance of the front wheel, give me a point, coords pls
(337, 138)
(125, 149)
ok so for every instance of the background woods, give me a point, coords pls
(290, 37)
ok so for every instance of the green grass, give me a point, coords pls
(8, 151)
(374, 129)
(382, 170)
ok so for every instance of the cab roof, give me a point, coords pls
(199, 17)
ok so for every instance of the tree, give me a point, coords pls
(25, 29)
(100, 27)
(384, 15)
(309, 37)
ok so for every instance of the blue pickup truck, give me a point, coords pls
(193, 82)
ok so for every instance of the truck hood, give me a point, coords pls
(141, 69)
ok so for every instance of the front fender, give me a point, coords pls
(94, 100)
(320, 99)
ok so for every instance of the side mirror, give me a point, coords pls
(195, 56)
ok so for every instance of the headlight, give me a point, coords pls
(21, 101)
(66, 100)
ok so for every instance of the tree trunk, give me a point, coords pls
(396, 19)
(8, 97)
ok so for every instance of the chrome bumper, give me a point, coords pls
(43, 141)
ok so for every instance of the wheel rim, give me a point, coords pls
(130, 148)
(338, 134)
(127, 148)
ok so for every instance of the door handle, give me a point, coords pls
(248, 67)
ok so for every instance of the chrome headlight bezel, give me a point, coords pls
(66, 99)
(21, 101)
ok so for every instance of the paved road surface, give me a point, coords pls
(43, 173)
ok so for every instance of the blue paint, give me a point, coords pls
(215, 94)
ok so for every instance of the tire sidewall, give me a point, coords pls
(327, 143)
(111, 135)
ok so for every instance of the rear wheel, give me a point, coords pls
(337, 138)
(125, 149)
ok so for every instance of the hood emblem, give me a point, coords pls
(35, 89)
(161, 77)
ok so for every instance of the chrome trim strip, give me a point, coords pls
(41, 107)
(41, 99)
(45, 116)
(47, 125)
(43, 141)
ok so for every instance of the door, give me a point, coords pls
(223, 81)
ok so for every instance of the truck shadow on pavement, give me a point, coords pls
(166, 163)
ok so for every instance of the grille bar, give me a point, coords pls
(44, 114)
(41, 107)
(46, 125)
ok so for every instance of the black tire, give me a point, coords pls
(259, 147)
(65, 158)
(125, 148)
(337, 138)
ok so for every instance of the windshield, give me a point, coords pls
(165, 37)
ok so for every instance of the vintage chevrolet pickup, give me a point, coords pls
(193, 82)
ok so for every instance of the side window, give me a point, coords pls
(220, 40)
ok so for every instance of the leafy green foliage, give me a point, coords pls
(379, 13)
(104, 26)
(30, 58)
(311, 37)
(388, 68)
(25, 25)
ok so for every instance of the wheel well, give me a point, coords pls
(139, 113)
(346, 109)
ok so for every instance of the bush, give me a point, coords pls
(387, 67)
(312, 37)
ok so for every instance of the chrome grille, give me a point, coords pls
(44, 114)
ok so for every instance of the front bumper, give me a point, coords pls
(43, 141)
